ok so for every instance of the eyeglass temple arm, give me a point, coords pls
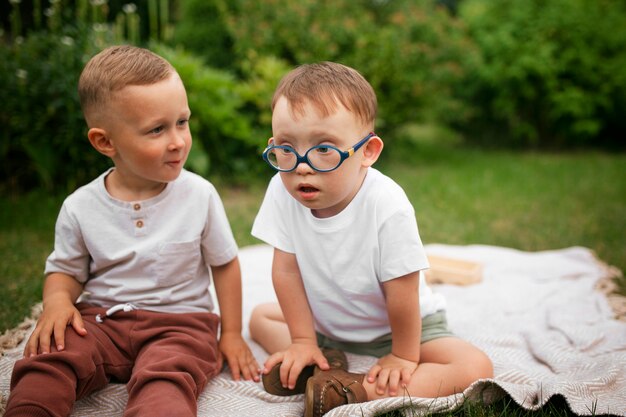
(362, 142)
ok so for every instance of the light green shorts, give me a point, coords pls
(434, 326)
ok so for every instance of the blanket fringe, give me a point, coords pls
(13, 337)
(608, 285)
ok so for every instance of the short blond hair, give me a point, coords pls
(117, 67)
(324, 85)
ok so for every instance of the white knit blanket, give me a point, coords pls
(537, 315)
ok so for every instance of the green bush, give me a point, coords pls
(43, 132)
(43, 139)
(551, 74)
(200, 29)
(415, 59)
(411, 51)
(260, 76)
(501, 71)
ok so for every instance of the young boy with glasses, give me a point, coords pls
(348, 260)
(126, 295)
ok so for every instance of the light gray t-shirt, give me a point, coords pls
(345, 259)
(154, 254)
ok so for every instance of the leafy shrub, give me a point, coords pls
(43, 132)
(415, 60)
(201, 30)
(548, 74)
(260, 76)
(411, 51)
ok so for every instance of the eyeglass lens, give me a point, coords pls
(321, 158)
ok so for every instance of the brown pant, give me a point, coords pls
(166, 359)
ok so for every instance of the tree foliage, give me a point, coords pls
(500, 72)
(551, 74)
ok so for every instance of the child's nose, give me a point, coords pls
(177, 141)
(304, 168)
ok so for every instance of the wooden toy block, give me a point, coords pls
(446, 270)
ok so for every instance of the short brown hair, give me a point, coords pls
(117, 67)
(324, 85)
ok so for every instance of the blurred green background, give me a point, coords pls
(495, 73)
(502, 119)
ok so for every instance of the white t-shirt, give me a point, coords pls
(154, 254)
(345, 259)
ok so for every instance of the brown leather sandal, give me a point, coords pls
(271, 382)
(330, 389)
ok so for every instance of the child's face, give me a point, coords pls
(325, 193)
(148, 127)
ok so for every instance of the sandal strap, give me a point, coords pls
(352, 391)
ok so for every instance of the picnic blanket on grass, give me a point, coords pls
(538, 315)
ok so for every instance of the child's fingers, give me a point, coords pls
(285, 371)
(44, 339)
(394, 382)
(59, 334)
(78, 324)
(249, 368)
(373, 373)
(234, 368)
(254, 371)
(321, 361)
(32, 345)
(406, 377)
(294, 372)
(244, 371)
(272, 360)
(242, 364)
(382, 381)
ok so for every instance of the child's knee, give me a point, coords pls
(258, 316)
(487, 366)
(263, 313)
(267, 310)
(479, 366)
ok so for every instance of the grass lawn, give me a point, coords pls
(529, 201)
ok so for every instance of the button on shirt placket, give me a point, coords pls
(139, 219)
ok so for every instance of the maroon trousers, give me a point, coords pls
(166, 359)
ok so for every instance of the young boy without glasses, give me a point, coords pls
(126, 296)
(348, 260)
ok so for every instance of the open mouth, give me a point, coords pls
(308, 189)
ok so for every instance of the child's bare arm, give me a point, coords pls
(60, 292)
(395, 369)
(291, 296)
(227, 280)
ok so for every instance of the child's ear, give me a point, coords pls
(100, 141)
(372, 150)
(270, 141)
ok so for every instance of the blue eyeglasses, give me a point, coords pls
(322, 158)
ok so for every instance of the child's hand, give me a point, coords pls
(51, 326)
(239, 357)
(294, 359)
(391, 372)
